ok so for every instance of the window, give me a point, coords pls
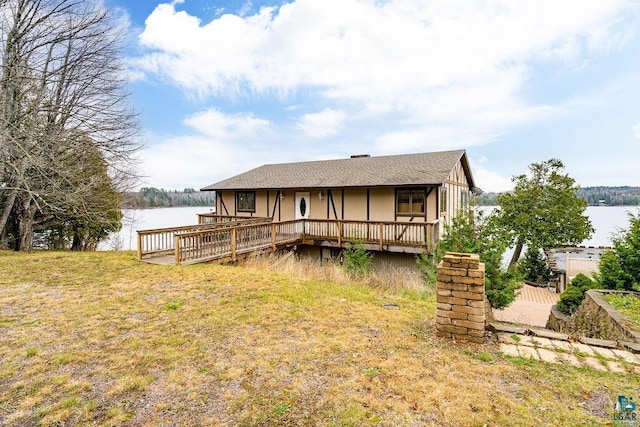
(246, 201)
(410, 202)
(443, 200)
(464, 200)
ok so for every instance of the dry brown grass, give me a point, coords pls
(101, 339)
(386, 277)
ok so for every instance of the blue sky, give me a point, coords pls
(225, 86)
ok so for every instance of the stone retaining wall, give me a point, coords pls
(460, 297)
(595, 318)
(598, 319)
(558, 321)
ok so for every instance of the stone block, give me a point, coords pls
(627, 356)
(442, 306)
(457, 330)
(506, 338)
(467, 324)
(509, 350)
(472, 303)
(479, 319)
(598, 342)
(475, 333)
(476, 281)
(444, 292)
(476, 290)
(451, 300)
(452, 272)
(452, 315)
(469, 295)
(475, 311)
(528, 352)
(594, 363)
(569, 359)
(476, 274)
(604, 352)
(443, 321)
(442, 279)
(583, 348)
(547, 355)
(506, 328)
(459, 287)
(633, 347)
(562, 345)
(616, 367)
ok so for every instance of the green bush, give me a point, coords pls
(356, 259)
(534, 267)
(573, 295)
(472, 232)
(620, 267)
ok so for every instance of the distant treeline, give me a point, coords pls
(150, 197)
(595, 196)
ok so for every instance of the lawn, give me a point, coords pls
(627, 304)
(102, 339)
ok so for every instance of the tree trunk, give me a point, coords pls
(516, 254)
(6, 212)
(25, 226)
(78, 239)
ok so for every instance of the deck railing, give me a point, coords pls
(162, 240)
(382, 233)
(211, 218)
(229, 239)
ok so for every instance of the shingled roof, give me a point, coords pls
(400, 170)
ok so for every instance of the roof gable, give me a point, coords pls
(399, 170)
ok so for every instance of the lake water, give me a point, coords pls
(145, 219)
(605, 219)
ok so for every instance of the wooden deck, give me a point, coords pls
(225, 239)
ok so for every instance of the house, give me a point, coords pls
(394, 205)
(411, 187)
(425, 188)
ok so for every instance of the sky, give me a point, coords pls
(222, 87)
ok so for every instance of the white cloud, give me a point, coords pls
(450, 72)
(216, 124)
(369, 50)
(394, 76)
(208, 152)
(325, 123)
(490, 181)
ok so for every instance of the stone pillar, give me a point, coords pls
(460, 297)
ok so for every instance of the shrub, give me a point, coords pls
(356, 259)
(534, 267)
(620, 267)
(573, 296)
(472, 232)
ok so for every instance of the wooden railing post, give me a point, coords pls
(381, 234)
(139, 246)
(273, 236)
(233, 244)
(177, 249)
(339, 234)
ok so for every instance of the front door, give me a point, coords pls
(302, 208)
(302, 205)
